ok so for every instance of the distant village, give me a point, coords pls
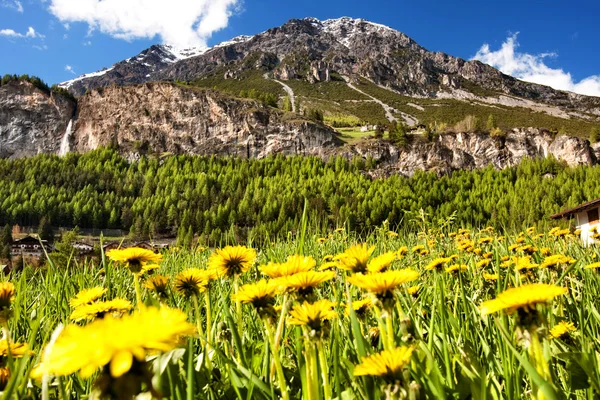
(32, 250)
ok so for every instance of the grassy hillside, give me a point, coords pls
(339, 102)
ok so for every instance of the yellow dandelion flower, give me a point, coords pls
(452, 234)
(437, 263)
(464, 232)
(134, 257)
(595, 265)
(561, 329)
(392, 234)
(7, 292)
(305, 282)
(158, 284)
(504, 258)
(456, 268)
(232, 260)
(360, 306)
(87, 296)
(150, 268)
(312, 315)
(191, 281)
(401, 252)
(327, 258)
(381, 262)
(423, 252)
(418, 248)
(101, 309)
(328, 266)
(529, 249)
(530, 230)
(15, 350)
(260, 294)
(413, 290)
(355, 258)
(483, 263)
(465, 245)
(557, 259)
(513, 247)
(523, 297)
(545, 251)
(489, 254)
(383, 283)
(4, 377)
(559, 232)
(339, 230)
(490, 277)
(485, 240)
(293, 265)
(577, 232)
(321, 240)
(114, 342)
(387, 364)
(520, 239)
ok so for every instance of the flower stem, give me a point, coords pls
(238, 306)
(324, 369)
(280, 376)
(138, 291)
(208, 316)
(284, 309)
(203, 343)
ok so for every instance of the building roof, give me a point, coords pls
(569, 213)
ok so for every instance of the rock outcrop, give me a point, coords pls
(32, 120)
(164, 117)
(467, 151)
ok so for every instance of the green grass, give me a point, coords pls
(457, 352)
(353, 135)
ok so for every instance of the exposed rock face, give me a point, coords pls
(163, 117)
(310, 49)
(467, 151)
(32, 121)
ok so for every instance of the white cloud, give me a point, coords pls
(30, 34)
(179, 22)
(67, 26)
(532, 68)
(88, 43)
(69, 68)
(15, 4)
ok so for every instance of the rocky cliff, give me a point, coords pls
(467, 151)
(164, 117)
(32, 120)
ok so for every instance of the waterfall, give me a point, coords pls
(65, 146)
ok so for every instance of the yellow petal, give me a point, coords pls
(121, 363)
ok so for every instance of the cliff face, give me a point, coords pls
(452, 152)
(32, 121)
(162, 117)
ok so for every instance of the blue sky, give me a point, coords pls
(552, 42)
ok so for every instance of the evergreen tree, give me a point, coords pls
(45, 231)
(595, 134)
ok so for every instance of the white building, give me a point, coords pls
(586, 217)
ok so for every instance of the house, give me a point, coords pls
(30, 245)
(83, 248)
(587, 218)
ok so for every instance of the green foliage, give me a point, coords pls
(38, 83)
(595, 134)
(249, 80)
(6, 240)
(263, 198)
(342, 121)
(45, 229)
(314, 114)
(491, 123)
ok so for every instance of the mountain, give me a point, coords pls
(316, 51)
(308, 87)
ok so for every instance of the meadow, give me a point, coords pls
(443, 313)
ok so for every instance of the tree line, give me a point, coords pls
(205, 197)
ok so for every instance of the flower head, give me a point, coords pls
(388, 364)
(15, 350)
(158, 284)
(305, 282)
(557, 259)
(87, 296)
(456, 268)
(134, 257)
(595, 265)
(191, 281)
(383, 283)
(100, 309)
(114, 342)
(260, 294)
(7, 292)
(293, 265)
(490, 277)
(232, 260)
(524, 297)
(381, 262)
(561, 329)
(355, 258)
(360, 306)
(312, 315)
(437, 263)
